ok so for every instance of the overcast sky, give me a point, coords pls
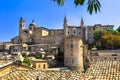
(48, 14)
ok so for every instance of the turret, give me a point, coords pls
(65, 27)
(33, 21)
(65, 21)
(82, 22)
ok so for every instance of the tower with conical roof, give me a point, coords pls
(65, 27)
(82, 22)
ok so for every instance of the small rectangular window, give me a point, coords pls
(44, 66)
(90, 29)
(39, 66)
(114, 54)
(71, 45)
(71, 54)
(74, 31)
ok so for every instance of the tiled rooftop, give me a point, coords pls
(99, 70)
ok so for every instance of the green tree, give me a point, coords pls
(27, 60)
(38, 57)
(93, 5)
(97, 38)
(116, 32)
(118, 29)
(97, 35)
(116, 41)
(107, 39)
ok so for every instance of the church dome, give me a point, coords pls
(33, 23)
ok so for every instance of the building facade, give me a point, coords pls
(48, 39)
(42, 35)
(40, 64)
(90, 30)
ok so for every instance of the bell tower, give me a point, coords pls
(65, 27)
(21, 25)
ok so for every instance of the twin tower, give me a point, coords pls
(74, 52)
